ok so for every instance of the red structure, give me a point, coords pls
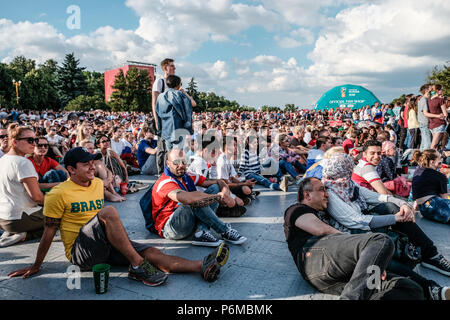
(110, 75)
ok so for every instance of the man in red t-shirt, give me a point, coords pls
(437, 113)
(179, 209)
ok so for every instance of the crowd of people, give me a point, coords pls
(360, 174)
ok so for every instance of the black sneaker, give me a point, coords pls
(439, 293)
(148, 274)
(254, 194)
(233, 236)
(211, 263)
(438, 263)
(206, 239)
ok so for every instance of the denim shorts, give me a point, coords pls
(436, 209)
(439, 129)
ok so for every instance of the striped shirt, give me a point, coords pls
(249, 163)
(364, 174)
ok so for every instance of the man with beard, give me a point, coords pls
(179, 209)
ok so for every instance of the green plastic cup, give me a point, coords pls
(101, 277)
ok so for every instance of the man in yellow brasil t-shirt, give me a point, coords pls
(94, 234)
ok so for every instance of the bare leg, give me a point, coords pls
(56, 151)
(435, 141)
(444, 140)
(109, 196)
(171, 264)
(115, 232)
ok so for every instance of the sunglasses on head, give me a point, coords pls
(104, 141)
(30, 140)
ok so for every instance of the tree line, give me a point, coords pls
(69, 86)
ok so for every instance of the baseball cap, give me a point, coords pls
(79, 154)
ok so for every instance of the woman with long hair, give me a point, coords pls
(85, 133)
(112, 161)
(21, 198)
(429, 186)
(413, 123)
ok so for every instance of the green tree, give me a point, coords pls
(20, 66)
(132, 92)
(192, 89)
(119, 97)
(86, 103)
(95, 83)
(290, 107)
(269, 108)
(441, 76)
(7, 91)
(399, 101)
(71, 82)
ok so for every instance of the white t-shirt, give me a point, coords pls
(225, 169)
(199, 166)
(14, 199)
(157, 85)
(55, 140)
(118, 146)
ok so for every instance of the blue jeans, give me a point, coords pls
(53, 176)
(288, 167)
(185, 219)
(150, 167)
(262, 181)
(425, 143)
(436, 209)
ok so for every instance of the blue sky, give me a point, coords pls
(258, 52)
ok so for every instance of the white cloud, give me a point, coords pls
(266, 60)
(181, 27)
(383, 44)
(219, 70)
(381, 38)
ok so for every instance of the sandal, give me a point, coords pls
(132, 189)
(141, 186)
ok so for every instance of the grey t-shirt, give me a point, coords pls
(423, 105)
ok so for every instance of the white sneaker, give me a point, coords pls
(8, 239)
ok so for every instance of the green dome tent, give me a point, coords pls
(346, 96)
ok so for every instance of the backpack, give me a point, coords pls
(146, 207)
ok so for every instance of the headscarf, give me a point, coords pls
(336, 176)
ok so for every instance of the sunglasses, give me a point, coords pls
(30, 140)
(42, 145)
(3, 136)
(104, 141)
(178, 162)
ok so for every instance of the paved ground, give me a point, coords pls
(261, 268)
